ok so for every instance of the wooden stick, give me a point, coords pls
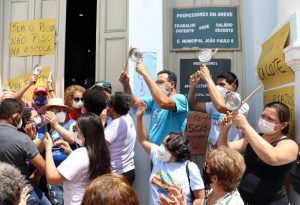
(127, 60)
(215, 51)
(251, 94)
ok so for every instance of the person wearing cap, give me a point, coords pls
(39, 97)
(168, 109)
(226, 82)
(60, 129)
(103, 86)
(106, 89)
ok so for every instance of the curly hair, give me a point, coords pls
(12, 183)
(179, 146)
(69, 93)
(228, 165)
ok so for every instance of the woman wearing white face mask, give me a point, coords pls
(73, 98)
(60, 128)
(170, 165)
(268, 157)
(31, 122)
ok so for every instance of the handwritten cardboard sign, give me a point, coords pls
(16, 83)
(271, 68)
(198, 126)
(34, 37)
(286, 96)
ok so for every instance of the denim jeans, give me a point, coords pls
(37, 197)
(56, 194)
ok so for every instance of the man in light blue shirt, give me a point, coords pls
(168, 109)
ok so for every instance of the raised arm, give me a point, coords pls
(194, 105)
(283, 153)
(163, 101)
(140, 129)
(51, 89)
(124, 80)
(67, 135)
(216, 98)
(19, 93)
(226, 123)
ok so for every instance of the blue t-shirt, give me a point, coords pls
(165, 121)
(59, 154)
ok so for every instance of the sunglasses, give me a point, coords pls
(78, 99)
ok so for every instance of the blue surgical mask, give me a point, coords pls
(41, 100)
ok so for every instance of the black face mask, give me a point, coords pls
(206, 178)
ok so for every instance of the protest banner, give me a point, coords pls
(198, 126)
(16, 83)
(271, 68)
(34, 37)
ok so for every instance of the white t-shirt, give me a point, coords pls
(232, 198)
(75, 170)
(234, 132)
(165, 174)
(121, 135)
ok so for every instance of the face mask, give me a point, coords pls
(77, 105)
(20, 123)
(78, 141)
(61, 117)
(206, 178)
(163, 154)
(163, 88)
(266, 127)
(223, 91)
(38, 121)
(41, 100)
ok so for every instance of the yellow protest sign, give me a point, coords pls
(16, 83)
(271, 68)
(34, 37)
(286, 96)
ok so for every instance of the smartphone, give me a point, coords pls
(47, 127)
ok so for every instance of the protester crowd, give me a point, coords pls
(79, 148)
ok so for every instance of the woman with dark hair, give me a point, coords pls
(31, 121)
(268, 157)
(110, 189)
(83, 164)
(171, 165)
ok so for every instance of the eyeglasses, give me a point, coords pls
(78, 99)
